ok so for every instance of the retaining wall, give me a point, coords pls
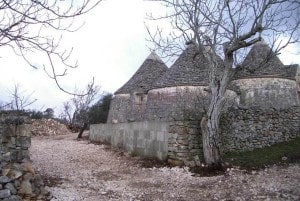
(180, 142)
(250, 128)
(148, 139)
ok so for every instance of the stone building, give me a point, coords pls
(157, 113)
(156, 93)
(264, 81)
(130, 100)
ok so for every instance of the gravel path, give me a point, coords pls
(77, 170)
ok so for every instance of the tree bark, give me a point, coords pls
(211, 122)
(210, 134)
(81, 130)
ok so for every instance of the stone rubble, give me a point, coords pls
(48, 127)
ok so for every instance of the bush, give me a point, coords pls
(99, 111)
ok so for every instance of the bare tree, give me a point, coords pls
(4, 106)
(20, 99)
(67, 111)
(224, 29)
(30, 27)
(76, 109)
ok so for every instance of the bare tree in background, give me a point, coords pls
(76, 109)
(4, 106)
(35, 26)
(20, 99)
(225, 28)
(67, 112)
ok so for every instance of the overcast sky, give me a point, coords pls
(110, 47)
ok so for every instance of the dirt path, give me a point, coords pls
(77, 170)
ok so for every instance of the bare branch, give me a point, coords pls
(25, 27)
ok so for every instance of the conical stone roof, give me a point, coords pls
(261, 61)
(190, 69)
(152, 68)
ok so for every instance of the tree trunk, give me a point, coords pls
(210, 133)
(81, 130)
(210, 122)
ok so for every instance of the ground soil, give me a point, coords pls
(78, 170)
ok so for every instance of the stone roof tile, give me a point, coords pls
(191, 68)
(152, 68)
(261, 61)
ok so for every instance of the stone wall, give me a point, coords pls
(127, 108)
(138, 106)
(181, 141)
(17, 179)
(267, 92)
(148, 139)
(172, 103)
(180, 103)
(249, 128)
(185, 143)
(119, 108)
(242, 129)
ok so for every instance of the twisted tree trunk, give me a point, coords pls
(211, 122)
(210, 132)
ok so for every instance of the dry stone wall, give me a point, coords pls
(119, 108)
(180, 142)
(18, 181)
(250, 128)
(185, 143)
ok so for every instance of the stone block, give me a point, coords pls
(183, 142)
(23, 142)
(11, 187)
(196, 151)
(6, 157)
(163, 147)
(153, 136)
(140, 143)
(14, 173)
(25, 154)
(172, 135)
(4, 180)
(190, 163)
(135, 134)
(155, 145)
(16, 155)
(26, 187)
(13, 198)
(147, 134)
(161, 136)
(175, 162)
(24, 130)
(5, 193)
(182, 154)
(149, 148)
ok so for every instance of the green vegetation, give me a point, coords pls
(281, 153)
(98, 112)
